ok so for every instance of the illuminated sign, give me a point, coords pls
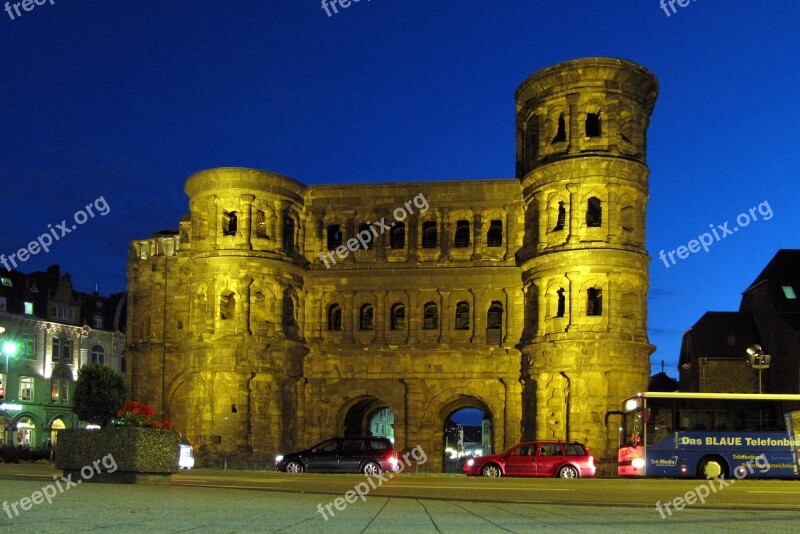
(12, 407)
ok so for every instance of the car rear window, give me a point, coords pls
(379, 445)
(575, 449)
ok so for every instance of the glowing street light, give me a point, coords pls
(8, 348)
(758, 360)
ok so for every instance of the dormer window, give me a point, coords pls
(788, 292)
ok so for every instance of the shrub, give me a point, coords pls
(99, 394)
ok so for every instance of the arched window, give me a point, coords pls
(562, 217)
(398, 321)
(229, 223)
(397, 236)
(594, 213)
(429, 235)
(365, 317)
(98, 354)
(561, 134)
(494, 237)
(26, 432)
(261, 224)
(365, 228)
(462, 234)
(494, 317)
(430, 320)
(561, 305)
(334, 236)
(289, 317)
(334, 317)
(97, 321)
(462, 316)
(593, 128)
(594, 297)
(494, 323)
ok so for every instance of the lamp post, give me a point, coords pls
(758, 360)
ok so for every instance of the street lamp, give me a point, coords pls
(758, 360)
(8, 348)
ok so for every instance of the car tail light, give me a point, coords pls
(392, 460)
(591, 460)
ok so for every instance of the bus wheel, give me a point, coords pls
(712, 467)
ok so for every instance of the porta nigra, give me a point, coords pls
(524, 297)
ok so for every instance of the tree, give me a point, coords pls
(99, 394)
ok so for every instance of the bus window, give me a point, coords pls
(659, 423)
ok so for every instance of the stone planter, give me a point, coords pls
(127, 455)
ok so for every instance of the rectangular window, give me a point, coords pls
(7, 282)
(28, 308)
(27, 347)
(2, 304)
(62, 313)
(59, 390)
(788, 292)
(26, 388)
(62, 350)
(2, 386)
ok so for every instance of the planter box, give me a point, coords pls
(118, 454)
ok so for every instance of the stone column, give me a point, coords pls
(245, 220)
(573, 313)
(445, 321)
(576, 131)
(477, 234)
(574, 213)
(380, 316)
(280, 213)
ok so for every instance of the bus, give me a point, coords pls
(709, 435)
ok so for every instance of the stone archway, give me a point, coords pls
(465, 435)
(359, 414)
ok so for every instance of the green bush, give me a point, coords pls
(99, 394)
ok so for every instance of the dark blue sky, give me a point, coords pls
(125, 100)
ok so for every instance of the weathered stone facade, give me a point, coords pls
(256, 329)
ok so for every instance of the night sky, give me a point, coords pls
(121, 101)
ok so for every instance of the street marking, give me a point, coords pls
(772, 491)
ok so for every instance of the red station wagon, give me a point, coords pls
(535, 459)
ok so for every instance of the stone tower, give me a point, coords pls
(581, 145)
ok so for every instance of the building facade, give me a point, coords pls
(714, 354)
(56, 330)
(278, 314)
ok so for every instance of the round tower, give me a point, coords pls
(581, 145)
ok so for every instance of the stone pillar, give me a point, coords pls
(477, 234)
(245, 221)
(445, 324)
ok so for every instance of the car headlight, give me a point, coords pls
(638, 463)
(279, 458)
(470, 462)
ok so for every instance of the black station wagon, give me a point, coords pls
(370, 456)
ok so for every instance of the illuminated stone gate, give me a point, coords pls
(262, 324)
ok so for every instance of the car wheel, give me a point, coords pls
(491, 471)
(568, 472)
(294, 467)
(371, 468)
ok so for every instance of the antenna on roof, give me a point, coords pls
(662, 366)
